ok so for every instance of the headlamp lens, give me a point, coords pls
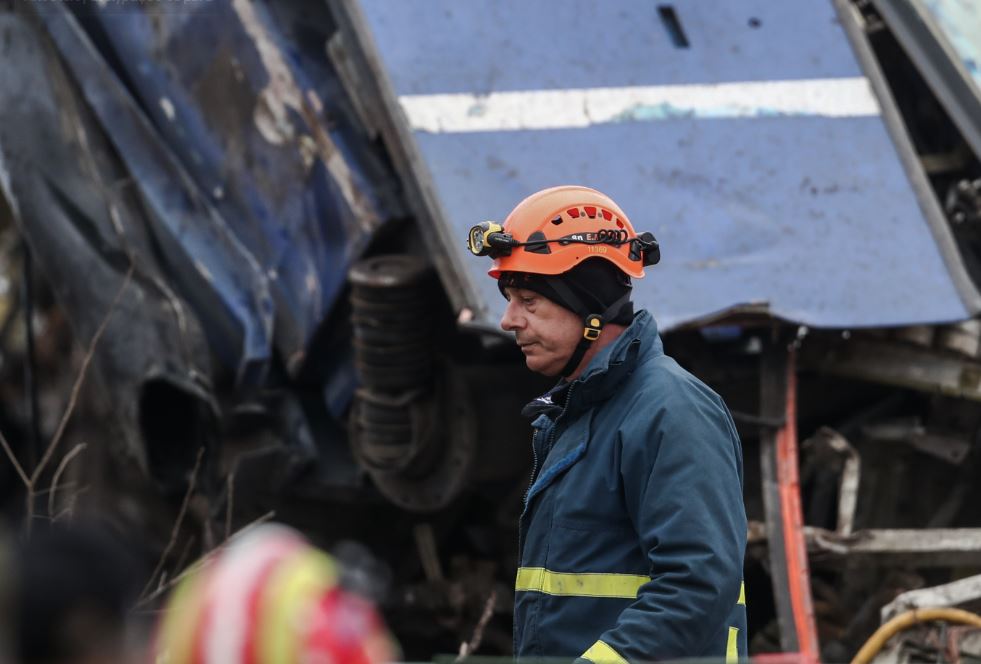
(478, 240)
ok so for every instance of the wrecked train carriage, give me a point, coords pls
(853, 217)
(195, 212)
(801, 171)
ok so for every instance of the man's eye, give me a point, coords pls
(527, 301)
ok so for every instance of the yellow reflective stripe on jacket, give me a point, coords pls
(742, 594)
(590, 584)
(601, 653)
(732, 646)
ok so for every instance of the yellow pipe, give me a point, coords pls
(905, 621)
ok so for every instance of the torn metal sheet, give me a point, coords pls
(943, 38)
(828, 439)
(912, 547)
(915, 547)
(751, 148)
(960, 21)
(955, 593)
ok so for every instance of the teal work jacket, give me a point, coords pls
(633, 533)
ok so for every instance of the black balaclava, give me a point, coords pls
(595, 287)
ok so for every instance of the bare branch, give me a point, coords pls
(13, 460)
(183, 557)
(230, 505)
(467, 649)
(175, 531)
(78, 449)
(71, 484)
(196, 565)
(89, 354)
(70, 510)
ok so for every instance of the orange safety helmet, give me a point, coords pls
(555, 229)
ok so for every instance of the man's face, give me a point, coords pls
(546, 332)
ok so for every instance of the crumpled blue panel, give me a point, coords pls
(203, 257)
(237, 134)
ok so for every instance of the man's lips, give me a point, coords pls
(525, 345)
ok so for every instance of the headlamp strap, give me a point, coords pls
(592, 328)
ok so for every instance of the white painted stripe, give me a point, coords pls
(564, 109)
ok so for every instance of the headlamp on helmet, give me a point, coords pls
(489, 239)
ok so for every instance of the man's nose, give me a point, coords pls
(511, 320)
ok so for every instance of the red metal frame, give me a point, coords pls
(795, 546)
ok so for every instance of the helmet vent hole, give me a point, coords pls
(557, 220)
(607, 214)
(572, 212)
(619, 224)
(590, 212)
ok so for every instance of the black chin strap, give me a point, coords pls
(592, 323)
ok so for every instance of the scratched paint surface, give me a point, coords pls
(811, 217)
(561, 109)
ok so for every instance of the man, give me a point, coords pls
(633, 532)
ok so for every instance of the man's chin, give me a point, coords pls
(540, 367)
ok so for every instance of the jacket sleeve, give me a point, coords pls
(681, 466)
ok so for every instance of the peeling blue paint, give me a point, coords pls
(960, 22)
(665, 111)
(656, 112)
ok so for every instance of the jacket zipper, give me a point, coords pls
(534, 452)
(534, 470)
(524, 505)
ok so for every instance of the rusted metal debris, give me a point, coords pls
(937, 641)
(886, 491)
(918, 547)
(965, 593)
(937, 547)
(901, 365)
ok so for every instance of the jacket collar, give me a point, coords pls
(614, 364)
(605, 373)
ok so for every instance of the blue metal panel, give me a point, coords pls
(517, 45)
(811, 217)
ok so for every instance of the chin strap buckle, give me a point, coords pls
(593, 325)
